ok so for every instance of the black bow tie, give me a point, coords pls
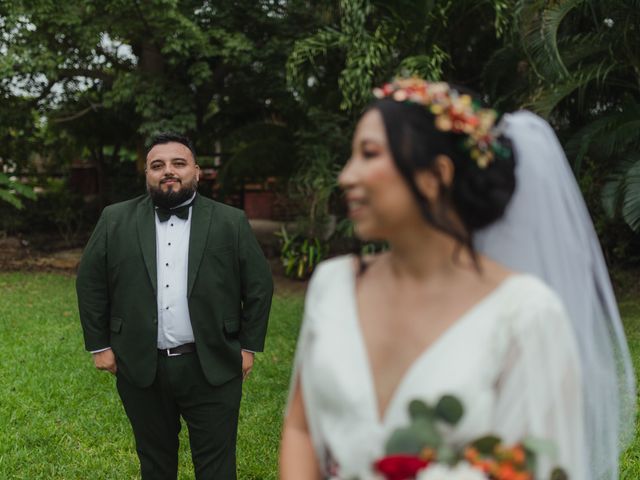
(181, 212)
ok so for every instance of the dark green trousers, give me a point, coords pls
(211, 415)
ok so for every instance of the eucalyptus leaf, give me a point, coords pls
(413, 439)
(404, 442)
(420, 409)
(449, 409)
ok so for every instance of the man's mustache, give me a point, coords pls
(166, 179)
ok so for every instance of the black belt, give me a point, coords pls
(179, 350)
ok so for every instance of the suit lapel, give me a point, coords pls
(147, 237)
(200, 221)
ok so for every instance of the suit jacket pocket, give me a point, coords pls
(220, 250)
(232, 325)
(115, 324)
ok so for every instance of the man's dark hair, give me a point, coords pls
(168, 137)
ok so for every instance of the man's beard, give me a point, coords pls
(171, 198)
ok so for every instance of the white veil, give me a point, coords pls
(547, 231)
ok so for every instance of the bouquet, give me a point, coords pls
(419, 452)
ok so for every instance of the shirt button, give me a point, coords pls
(169, 244)
(172, 224)
(167, 264)
(167, 308)
(167, 285)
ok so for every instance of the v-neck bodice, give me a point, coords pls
(416, 365)
(471, 359)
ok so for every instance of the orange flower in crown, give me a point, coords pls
(453, 112)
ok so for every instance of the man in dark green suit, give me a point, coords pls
(174, 295)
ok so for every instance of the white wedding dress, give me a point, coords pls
(511, 359)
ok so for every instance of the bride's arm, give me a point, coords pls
(540, 393)
(297, 458)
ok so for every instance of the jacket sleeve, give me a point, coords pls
(93, 290)
(257, 289)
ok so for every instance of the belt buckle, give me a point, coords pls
(169, 354)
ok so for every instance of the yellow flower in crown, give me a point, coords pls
(453, 112)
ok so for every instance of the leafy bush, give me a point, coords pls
(11, 191)
(301, 255)
(55, 211)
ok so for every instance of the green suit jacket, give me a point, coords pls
(229, 288)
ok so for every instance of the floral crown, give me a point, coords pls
(454, 112)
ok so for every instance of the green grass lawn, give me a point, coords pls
(62, 419)
(630, 311)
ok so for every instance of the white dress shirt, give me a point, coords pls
(172, 254)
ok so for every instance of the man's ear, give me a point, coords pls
(430, 181)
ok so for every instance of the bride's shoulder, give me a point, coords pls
(330, 278)
(529, 289)
(328, 272)
(524, 289)
(533, 305)
(333, 265)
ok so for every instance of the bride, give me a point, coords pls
(456, 305)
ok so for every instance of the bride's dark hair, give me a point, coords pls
(479, 196)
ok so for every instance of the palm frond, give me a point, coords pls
(611, 196)
(305, 52)
(366, 53)
(611, 134)
(539, 22)
(621, 194)
(427, 66)
(505, 77)
(581, 47)
(631, 202)
(546, 98)
(624, 138)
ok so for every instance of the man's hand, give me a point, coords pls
(106, 360)
(247, 363)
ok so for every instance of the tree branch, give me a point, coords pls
(84, 72)
(81, 113)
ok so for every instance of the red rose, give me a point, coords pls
(400, 467)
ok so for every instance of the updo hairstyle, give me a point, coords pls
(479, 196)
